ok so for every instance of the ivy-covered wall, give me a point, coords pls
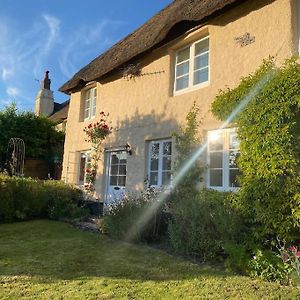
(269, 131)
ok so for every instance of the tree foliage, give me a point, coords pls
(39, 134)
(187, 141)
(269, 131)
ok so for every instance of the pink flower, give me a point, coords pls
(293, 249)
(285, 257)
(298, 254)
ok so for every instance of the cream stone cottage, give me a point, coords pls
(149, 80)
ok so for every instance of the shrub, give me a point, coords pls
(269, 266)
(26, 198)
(124, 219)
(268, 128)
(65, 201)
(202, 223)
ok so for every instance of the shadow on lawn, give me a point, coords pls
(56, 251)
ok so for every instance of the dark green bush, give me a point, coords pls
(26, 198)
(202, 223)
(65, 201)
(268, 129)
(125, 219)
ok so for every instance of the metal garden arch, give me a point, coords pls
(16, 156)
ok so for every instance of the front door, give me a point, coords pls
(116, 169)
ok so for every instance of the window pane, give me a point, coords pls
(233, 156)
(82, 168)
(202, 46)
(167, 148)
(86, 113)
(166, 178)
(201, 61)
(88, 94)
(122, 169)
(93, 114)
(87, 104)
(154, 164)
(201, 76)
(215, 141)
(153, 178)
(114, 170)
(183, 55)
(95, 92)
(113, 180)
(121, 180)
(182, 69)
(167, 163)
(114, 159)
(182, 82)
(233, 180)
(155, 150)
(234, 142)
(122, 156)
(216, 160)
(216, 178)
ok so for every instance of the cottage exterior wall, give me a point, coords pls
(145, 108)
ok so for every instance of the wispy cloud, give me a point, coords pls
(51, 35)
(81, 44)
(27, 50)
(13, 91)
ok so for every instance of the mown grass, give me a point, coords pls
(52, 260)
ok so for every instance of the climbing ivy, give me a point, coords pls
(269, 131)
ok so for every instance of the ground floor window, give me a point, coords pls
(223, 151)
(160, 162)
(84, 165)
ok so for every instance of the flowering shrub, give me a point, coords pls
(98, 131)
(95, 133)
(291, 257)
(122, 218)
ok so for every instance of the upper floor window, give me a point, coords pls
(192, 65)
(90, 99)
(160, 163)
(223, 151)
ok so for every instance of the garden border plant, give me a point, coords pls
(268, 129)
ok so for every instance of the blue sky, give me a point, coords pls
(60, 36)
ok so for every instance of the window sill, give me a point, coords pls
(88, 119)
(223, 189)
(191, 89)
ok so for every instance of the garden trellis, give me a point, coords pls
(16, 156)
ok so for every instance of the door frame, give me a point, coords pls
(108, 153)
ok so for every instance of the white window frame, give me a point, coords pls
(160, 160)
(191, 85)
(92, 106)
(225, 157)
(88, 155)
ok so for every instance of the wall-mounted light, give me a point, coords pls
(128, 149)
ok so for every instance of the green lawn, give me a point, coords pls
(52, 260)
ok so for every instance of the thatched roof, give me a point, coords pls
(60, 111)
(144, 38)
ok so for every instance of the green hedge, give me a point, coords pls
(26, 198)
(203, 223)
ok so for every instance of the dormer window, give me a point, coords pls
(192, 66)
(90, 100)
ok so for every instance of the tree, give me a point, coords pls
(41, 138)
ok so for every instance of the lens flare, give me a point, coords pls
(150, 212)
